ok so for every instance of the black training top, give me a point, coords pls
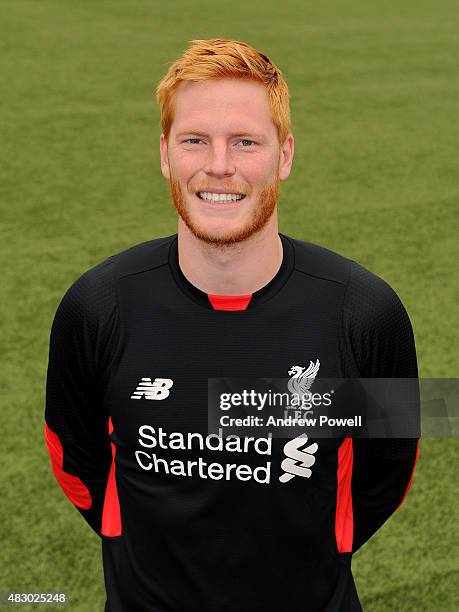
(190, 526)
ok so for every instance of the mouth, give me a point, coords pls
(219, 198)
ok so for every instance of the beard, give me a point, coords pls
(260, 216)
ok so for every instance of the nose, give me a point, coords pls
(219, 162)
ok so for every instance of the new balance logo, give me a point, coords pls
(298, 462)
(156, 390)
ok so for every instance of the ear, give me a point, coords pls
(286, 157)
(164, 157)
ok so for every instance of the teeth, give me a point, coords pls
(220, 197)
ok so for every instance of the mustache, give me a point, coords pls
(226, 186)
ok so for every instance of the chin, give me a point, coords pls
(221, 233)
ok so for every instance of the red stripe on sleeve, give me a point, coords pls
(74, 489)
(229, 302)
(412, 474)
(111, 516)
(344, 519)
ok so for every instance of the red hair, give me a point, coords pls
(218, 58)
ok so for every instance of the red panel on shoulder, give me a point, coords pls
(344, 520)
(111, 515)
(76, 491)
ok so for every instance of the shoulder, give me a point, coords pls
(363, 289)
(137, 258)
(93, 295)
(371, 299)
(318, 261)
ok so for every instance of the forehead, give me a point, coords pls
(224, 105)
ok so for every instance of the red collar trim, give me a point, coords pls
(229, 302)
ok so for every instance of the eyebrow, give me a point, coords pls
(238, 135)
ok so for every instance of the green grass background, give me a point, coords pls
(374, 96)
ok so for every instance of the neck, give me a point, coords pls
(237, 269)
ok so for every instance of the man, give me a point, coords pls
(186, 525)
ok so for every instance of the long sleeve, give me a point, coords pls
(76, 425)
(379, 332)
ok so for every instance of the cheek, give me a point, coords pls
(185, 170)
(260, 170)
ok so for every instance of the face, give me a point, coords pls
(223, 144)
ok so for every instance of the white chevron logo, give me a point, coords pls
(156, 390)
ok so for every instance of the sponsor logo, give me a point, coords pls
(158, 389)
(152, 458)
(297, 462)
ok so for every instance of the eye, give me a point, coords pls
(252, 142)
(189, 140)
